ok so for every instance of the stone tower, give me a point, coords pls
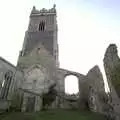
(42, 32)
(38, 58)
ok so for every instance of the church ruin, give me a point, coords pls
(22, 86)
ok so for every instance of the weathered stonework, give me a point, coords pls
(11, 79)
(31, 102)
(96, 79)
(39, 56)
(96, 89)
(112, 65)
(38, 69)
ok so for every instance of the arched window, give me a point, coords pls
(6, 84)
(71, 84)
(42, 26)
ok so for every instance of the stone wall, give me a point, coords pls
(10, 79)
(16, 78)
(96, 79)
(112, 69)
(63, 73)
(36, 79)
(32, 102)
(4, 105)
(47, 36)
(38, 56)
(96, 90)
(83, 89)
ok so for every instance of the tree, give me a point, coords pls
(49, 97)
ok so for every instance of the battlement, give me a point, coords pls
(43, 11)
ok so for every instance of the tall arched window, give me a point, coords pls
(6, 84)
(71, 84)
(42, 26)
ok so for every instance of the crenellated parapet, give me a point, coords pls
(43, 11)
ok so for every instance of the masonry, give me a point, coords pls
(38, 68)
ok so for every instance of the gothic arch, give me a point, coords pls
(63, 73)
(7, 78)
(36, 79)
(42, 26)
(71, 82)
(36, 66)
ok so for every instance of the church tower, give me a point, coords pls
(38, 59)
(42, 31)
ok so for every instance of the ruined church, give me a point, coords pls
(37, 69)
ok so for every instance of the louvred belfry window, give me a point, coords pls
(42, 26)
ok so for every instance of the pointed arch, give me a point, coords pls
(6, 84)
(42, 26)
(71, 84)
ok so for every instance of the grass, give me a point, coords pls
(53, 115)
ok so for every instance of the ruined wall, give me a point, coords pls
(10, 81)
(96, 90)
(39, 71)
(91, 89)
(36, 79)
(63, 73)
(40, 57)
(31, 101)
(112, 69)
(80, 102)
(14, 76)
(96, 79)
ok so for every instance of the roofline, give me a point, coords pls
(71, 71)
(7, 62)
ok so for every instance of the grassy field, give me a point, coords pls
(53, 115)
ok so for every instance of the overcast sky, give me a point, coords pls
(85, 29)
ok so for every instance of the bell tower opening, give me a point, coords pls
(42, 26)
